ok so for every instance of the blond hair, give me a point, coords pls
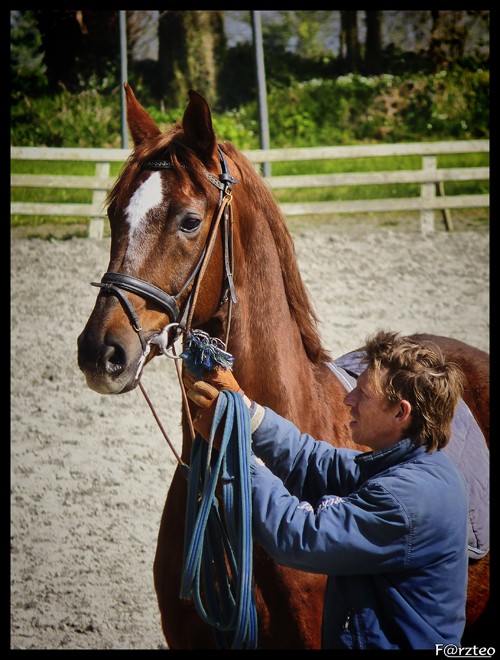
(417, 371)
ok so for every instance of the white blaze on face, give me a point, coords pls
(146, 197)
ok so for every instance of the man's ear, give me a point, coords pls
(404, 411)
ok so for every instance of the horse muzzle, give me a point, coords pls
(111, 353)
(109, 367)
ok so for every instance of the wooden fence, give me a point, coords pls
(430, 178)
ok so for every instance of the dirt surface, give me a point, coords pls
(89, 473)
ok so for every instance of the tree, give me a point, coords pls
(80, 45)
(192, 47)
(302, 32)
(349, 44)
(448, 36)
(28, 70)
(373, 43)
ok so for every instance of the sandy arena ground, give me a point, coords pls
(89, 473)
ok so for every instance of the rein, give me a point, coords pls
(116, 283)
(217, 547)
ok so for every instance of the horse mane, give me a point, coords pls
(171, 146)
(301, 309)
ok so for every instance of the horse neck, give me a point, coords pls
(271, 363)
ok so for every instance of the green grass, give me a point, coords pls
(70, 167)
(55, 195)
(375, 164)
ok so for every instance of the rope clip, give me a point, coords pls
(165, 343)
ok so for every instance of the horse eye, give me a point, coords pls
(190, 224)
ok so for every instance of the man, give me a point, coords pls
(389, 526)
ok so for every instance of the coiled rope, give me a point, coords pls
(218, 543)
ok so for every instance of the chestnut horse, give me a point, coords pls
(162, 210)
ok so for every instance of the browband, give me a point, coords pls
(223, 182)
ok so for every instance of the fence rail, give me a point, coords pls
(430, 178)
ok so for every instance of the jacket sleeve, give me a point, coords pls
(339, 535)
(307, 467)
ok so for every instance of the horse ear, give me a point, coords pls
(198, 127)
(140, 122)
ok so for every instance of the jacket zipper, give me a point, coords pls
(347, 620)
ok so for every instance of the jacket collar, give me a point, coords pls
(373, 462)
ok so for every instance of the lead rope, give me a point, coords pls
(218, 549)
(183, 466)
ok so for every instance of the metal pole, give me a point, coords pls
(123, 75)
(261, 85)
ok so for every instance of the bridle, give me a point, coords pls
(181, 318)
(180, 315)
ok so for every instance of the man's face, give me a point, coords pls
(374, 422)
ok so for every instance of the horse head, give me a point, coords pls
(169, 263)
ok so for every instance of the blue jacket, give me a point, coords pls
(388, 528)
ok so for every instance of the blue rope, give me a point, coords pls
(218, 548)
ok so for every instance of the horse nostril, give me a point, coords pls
(113, 359)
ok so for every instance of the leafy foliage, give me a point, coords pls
(64, 70)
(85, 119)
(28, 71)
(451, 104)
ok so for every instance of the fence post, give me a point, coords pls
(428, 192)
(96, 225)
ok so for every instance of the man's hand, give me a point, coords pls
(204, 394)
(201, 393)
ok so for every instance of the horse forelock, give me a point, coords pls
(166, 146)
(253, 193)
